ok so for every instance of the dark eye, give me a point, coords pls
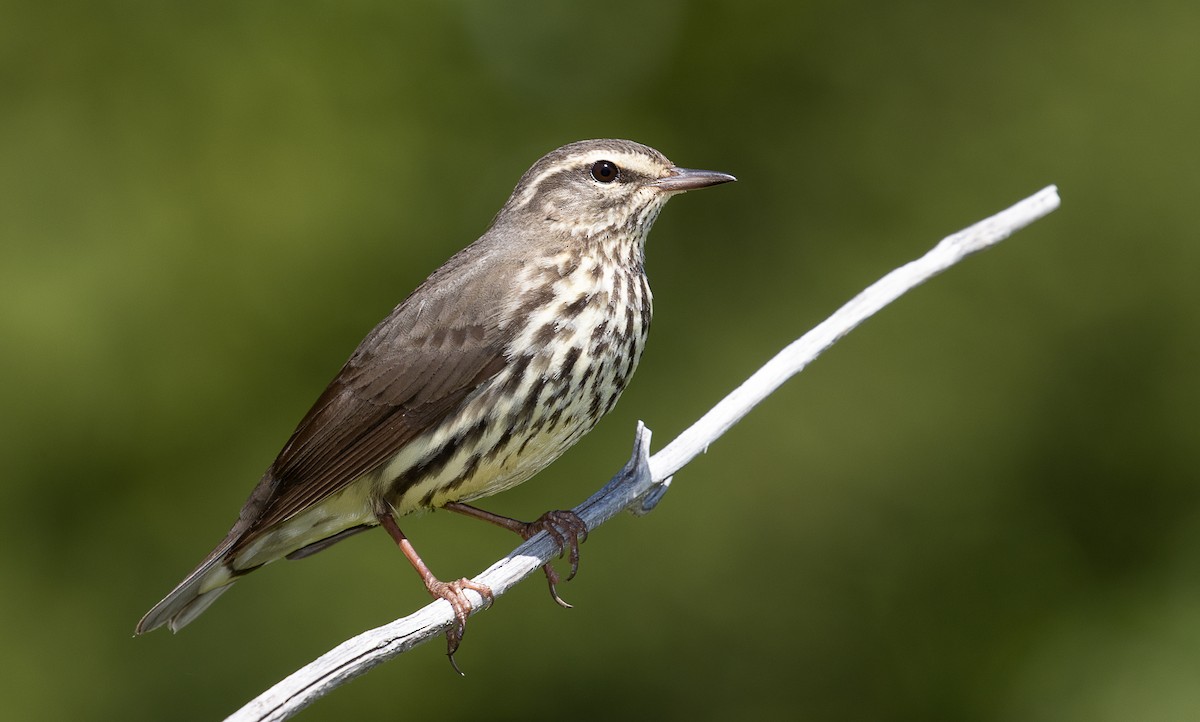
(605, 171)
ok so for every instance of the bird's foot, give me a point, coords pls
(453, 592)
(568, 531)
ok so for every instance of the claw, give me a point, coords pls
(453, 592)
(552, 580)
(567, 530)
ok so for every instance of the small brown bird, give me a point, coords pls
(500, 361)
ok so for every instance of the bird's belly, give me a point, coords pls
(514, 435)
(566, 369)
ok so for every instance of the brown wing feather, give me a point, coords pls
(351, 431)
(412, 370)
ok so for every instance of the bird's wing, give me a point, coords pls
(414, 368)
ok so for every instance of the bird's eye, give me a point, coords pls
(605, 171)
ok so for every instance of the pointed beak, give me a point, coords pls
(687, 179)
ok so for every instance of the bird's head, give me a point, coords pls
(597, 186)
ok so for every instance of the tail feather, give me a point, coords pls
(192, 609)
(243, 550)
(193, 595)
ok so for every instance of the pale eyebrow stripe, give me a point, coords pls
(634, 161)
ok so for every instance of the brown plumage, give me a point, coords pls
(500, 361)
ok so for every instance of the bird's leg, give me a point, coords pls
(564, 527)
(450, 591)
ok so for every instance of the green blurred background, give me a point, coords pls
(980, 506)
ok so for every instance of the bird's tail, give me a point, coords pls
(193, 595)
(242, 551)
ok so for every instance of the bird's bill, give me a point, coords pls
(687, 179)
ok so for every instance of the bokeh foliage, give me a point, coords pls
(980, 506)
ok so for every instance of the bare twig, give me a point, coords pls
(644, 479)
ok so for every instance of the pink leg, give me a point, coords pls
(450, 591)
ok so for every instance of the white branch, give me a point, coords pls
(645, 478)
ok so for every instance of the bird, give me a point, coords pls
(494, 366)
